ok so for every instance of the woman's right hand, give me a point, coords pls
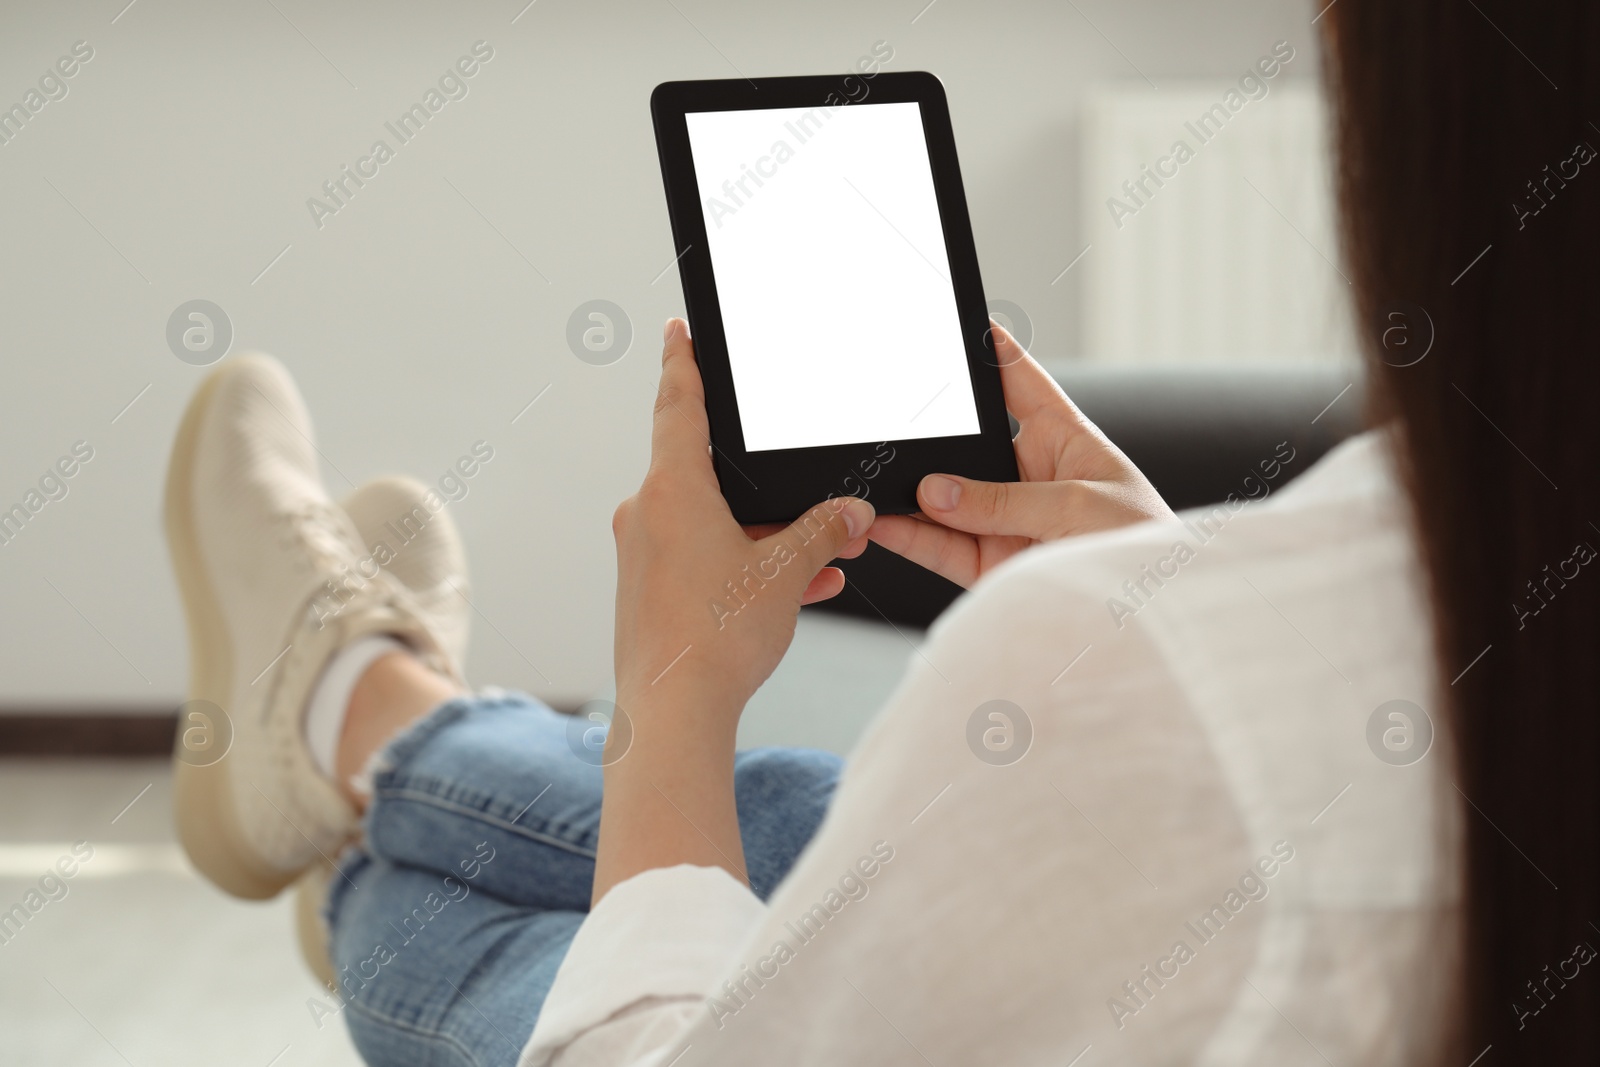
(1074, 480)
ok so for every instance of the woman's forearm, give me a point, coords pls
(669, 800)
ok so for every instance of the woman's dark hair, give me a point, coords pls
(1469, 185)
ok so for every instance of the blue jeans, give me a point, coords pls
(450, 920)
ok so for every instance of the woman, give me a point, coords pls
(1162, 793)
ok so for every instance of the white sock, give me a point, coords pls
(325, 711)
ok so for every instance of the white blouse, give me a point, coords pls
(1194, 830)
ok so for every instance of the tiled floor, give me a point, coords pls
(142, 963)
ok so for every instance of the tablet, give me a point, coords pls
(832, 289)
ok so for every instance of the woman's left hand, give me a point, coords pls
(704, 606)
(705, 610)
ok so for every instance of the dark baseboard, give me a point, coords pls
(138, 733)
(78, 734)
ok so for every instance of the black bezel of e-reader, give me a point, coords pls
(778, 485)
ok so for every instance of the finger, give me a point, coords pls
(828, 584)
(1028, 387)
(853, 549)
(806, 545)
(764, 530)
(1036, 510)
(680, 439)
(948, 553)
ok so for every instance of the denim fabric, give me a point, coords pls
(450, 920)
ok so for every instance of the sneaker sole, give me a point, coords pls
(208, 824)
(310, 893)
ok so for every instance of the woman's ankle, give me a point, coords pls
(394, 692)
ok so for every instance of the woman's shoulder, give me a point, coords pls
(1289, 631)
(1150, 751)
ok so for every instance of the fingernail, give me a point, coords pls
(672, 330)
(941, 493)
(858, 516)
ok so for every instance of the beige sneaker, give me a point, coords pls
(310, 928)
(422, 549)
(274, 581)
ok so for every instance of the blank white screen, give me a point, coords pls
(830, 264)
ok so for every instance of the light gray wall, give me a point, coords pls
(179, 165)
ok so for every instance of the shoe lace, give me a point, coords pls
(317, 532)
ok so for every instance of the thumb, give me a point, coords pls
(1025, 509)
(1007, 349)
(806, 545)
